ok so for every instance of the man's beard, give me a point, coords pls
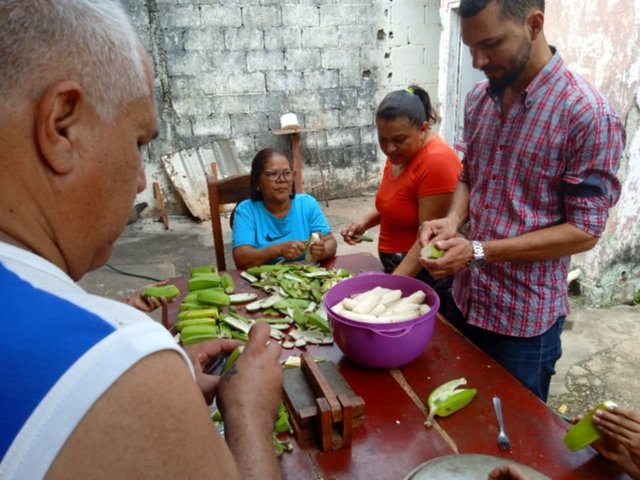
(517, 67)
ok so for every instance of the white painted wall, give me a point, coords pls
(600, 39)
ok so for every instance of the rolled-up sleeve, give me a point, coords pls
(590, 185)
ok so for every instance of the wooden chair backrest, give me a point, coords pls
(228, 190)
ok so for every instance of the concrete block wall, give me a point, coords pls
(231, 68)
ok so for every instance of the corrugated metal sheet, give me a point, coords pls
(188, 168)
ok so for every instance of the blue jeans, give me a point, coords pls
(531, 360)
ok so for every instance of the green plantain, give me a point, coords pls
(448, 398)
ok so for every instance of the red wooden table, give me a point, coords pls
(394, 440)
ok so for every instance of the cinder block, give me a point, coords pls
(408, 13)
(345, 14)
(407, 55)
(203, 39)
(343, 137)
(282, 38)
(269, 102)
(335, 158)
(193, 106)
(251, 82)
(228, 62)
(309, 141)
(262, 17)
(211, 125)
(243, 39)
(182, 128)
(322, 120)
(188, 16)
(246, 148)
(339, 57)
(230, 104)
(172, 41)
(359, 117)
(356, 35)
(374, 56)
(351, 77)
(305, 101)
(369, 134)
(316, 2)
(302, 59)
(268, 139)
(284, 80)
(301, 15)
(397, 35)
(185, 86)
(220, 83)
(248, 123)
(265, 60)
(191, 63)
(321, 79)
(340, 98)
(320, 37)
(221, 16)
(363, 156)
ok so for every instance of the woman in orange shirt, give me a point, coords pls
(419, 178)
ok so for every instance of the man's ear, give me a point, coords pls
(535, 22)
(58, 114)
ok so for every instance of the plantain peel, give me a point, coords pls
(431, 251)
(314, 237)
(448, 398)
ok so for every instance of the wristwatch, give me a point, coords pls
(478, 255)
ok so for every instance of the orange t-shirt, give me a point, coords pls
(434, 170)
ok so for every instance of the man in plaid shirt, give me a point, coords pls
(541, 150)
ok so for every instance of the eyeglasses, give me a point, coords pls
(275, 175)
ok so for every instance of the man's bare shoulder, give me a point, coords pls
(152, 423)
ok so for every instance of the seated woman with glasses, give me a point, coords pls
(275, 224)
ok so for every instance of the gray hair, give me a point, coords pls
(91, 42)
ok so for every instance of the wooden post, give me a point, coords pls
(157, 193)
(214, 173)
(297, 159)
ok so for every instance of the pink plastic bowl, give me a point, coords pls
(387, 345)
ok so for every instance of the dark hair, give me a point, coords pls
(412, 103)
(257, 167)
(512, 9)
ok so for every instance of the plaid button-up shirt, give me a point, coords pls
(552, 160)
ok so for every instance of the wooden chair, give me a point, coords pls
(228, 190)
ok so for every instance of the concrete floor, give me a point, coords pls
(601, 347)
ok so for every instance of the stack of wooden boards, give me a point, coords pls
(322, 405)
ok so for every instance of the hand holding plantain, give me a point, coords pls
(620, 437)
(314, 248)
(201, 355)
(252, 387)
(147, 300)
(353, 233)
(292, 250)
